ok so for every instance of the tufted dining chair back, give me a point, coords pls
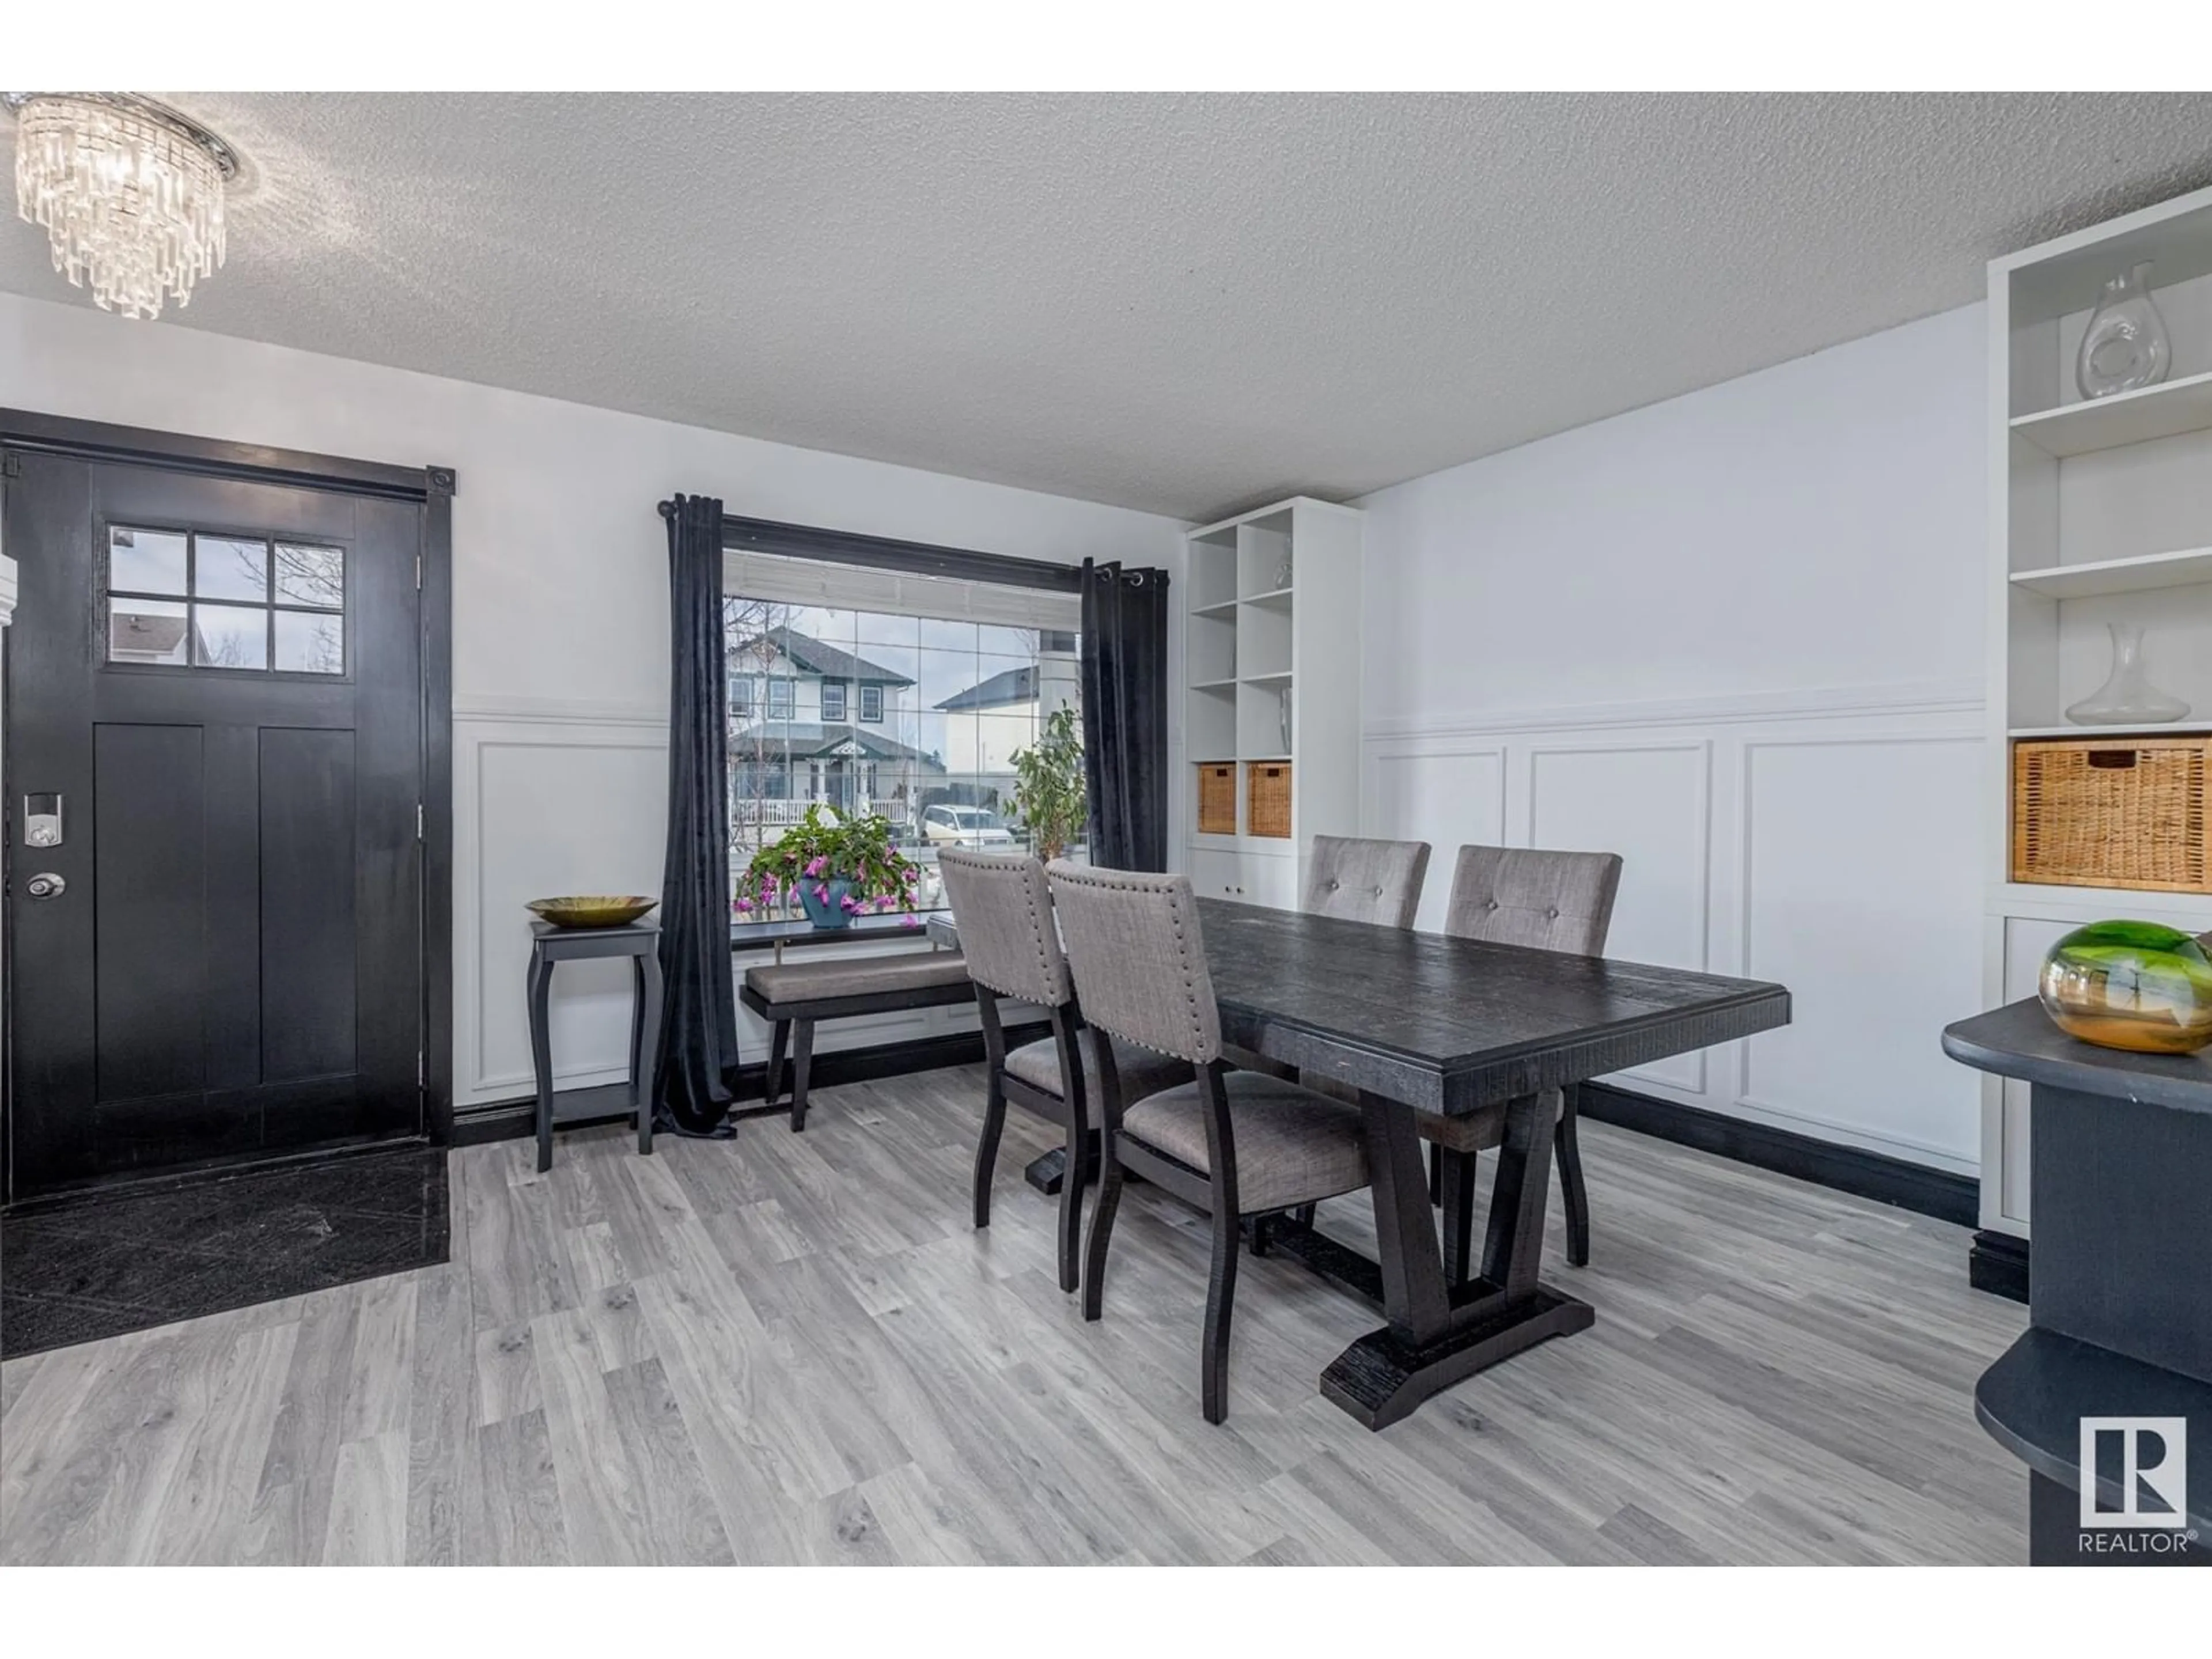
(1358, 880)
(1526, 896)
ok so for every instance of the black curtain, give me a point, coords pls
(1125, 714)
(699, 1019)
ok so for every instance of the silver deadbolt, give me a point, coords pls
(42, 820)
(45, 885)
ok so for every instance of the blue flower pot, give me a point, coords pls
(831, 913)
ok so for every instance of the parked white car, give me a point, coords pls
(965, 826)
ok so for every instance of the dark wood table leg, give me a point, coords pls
(645, 1046)
(1439, 1333)
(541, 1054)
(1451, 1182)
(1046, 1171)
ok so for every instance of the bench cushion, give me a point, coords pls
(1142, 1071)
(864, 976)
(1293, 1146)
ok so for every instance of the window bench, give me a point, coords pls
(801, 994)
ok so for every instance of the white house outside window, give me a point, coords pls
(943, 700)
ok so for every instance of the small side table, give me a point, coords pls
(638, 940)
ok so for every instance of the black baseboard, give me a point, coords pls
(1998, 1263)
(1914, 1187)
(508, 1120)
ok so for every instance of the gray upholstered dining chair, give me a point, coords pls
(1003, 912)
(1361, 880)
(1234, 1144)
(1552, 902)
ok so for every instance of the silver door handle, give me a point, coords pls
(45, 885)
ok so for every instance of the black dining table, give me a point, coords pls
(1419, 1021)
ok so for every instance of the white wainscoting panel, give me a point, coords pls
(563, 806)
(1829, 842)
(1443, 793)
(1859, 870)
(1651, 802)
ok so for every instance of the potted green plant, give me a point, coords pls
(835, 866)
(1049, 785)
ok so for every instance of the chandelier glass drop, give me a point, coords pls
(129, 192)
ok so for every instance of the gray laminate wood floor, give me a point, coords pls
(793, 1349)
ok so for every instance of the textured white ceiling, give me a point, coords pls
(1188, 303)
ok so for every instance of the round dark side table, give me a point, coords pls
(640, 941)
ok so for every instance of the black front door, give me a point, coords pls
(215, 761)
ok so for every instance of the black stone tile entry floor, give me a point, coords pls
(101, 1265)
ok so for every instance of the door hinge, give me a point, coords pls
(418, 820)
(422, 1070)
(418, 573)
(11, 465)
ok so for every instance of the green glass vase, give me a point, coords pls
(2130, 985)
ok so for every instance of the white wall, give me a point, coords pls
(560, 606)
(1737, 638)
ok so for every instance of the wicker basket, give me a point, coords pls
(2111, 812)
(1267, 798)
(1217, 799)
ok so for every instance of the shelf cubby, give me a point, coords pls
(1263, 640)
(1260, 721)
(1211, 734)
(1213, 574)
(1263, 547)
(1210, 647)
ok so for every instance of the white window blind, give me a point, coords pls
(860, 587)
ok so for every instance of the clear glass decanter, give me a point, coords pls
(2127, 697)
(2125, 345)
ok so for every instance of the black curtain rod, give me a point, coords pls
(800, 541)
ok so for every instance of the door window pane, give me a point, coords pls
(228, 569)
(229, 636)
(310, 575)
(308, 642)
(145, 560)
(146, 631)
(254, 605)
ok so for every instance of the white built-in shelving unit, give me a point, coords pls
(1260, 653)
(2101, 510)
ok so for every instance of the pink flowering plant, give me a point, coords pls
(849, 861)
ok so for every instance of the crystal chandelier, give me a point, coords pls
(130, 193)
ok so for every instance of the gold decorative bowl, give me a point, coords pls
(592, 910)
